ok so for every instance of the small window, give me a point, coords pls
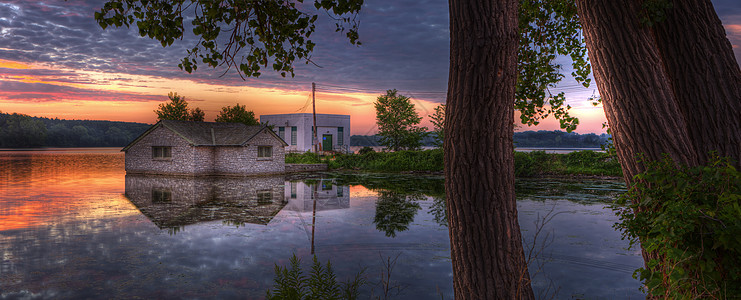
(293, 190)
(161, 195)
(264, 151)
(264, 197)
(161, 152)
(282, 132)
(340, 136)
(340, 191)
(294, 130)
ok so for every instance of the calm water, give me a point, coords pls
(73, 225)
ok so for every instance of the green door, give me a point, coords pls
(327, 142)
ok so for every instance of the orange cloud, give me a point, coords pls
(14, 65)
(734, 28)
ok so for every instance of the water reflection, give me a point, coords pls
(174, 202)
(394, 211)
(67, 231)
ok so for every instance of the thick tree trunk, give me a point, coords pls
(639, 103)
(486, 246)
(705, 76)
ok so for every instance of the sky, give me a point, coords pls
(55, 61)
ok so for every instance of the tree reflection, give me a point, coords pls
(439, 211)
(394, 211)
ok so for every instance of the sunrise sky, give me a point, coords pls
(55, 61)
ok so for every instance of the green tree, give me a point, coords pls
(22, 131)
(177, 109)
(259, 32)
(237, 114)
(438, 121)
(397, 122)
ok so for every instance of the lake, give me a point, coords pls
(74, 225)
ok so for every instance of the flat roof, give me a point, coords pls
(304, 114)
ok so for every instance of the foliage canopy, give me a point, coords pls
(438, 121)
(397, 122)
(254, 34)
(177, 109)
(690, 217)
(237, 114)
(548, 28)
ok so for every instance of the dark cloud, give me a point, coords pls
(405, 46)
(43, 92)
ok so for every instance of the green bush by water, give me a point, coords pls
(426, 160)
(690, 218)
(303, 158)
(527, 164)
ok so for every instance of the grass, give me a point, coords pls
(527, 164)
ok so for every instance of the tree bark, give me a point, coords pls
(705, 76)
(485, 241)
(639, 103)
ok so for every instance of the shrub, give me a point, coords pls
(689, 220)
(365, 150)
(320, 284)
(302, 158)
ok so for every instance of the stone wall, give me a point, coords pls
(139, 156)
(244, 160)
(204, 160)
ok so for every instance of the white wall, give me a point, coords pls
(326, 124)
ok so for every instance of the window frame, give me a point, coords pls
(260, 152)
(162, 152)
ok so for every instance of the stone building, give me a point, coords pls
(333, 131)
(205, 148)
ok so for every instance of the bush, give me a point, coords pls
(320, 284)
(365, 150)
(427, 160)
(303, 158)
(689, 220)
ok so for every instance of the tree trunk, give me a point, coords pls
(639, 103)
(486, 246)
(705, 76)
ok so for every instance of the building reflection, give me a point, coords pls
(173, 202)
(328, 195)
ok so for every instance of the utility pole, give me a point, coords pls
(315, 140)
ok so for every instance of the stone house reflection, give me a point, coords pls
(173, 202)
(329, 196)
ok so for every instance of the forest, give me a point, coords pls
(23, 131)
(523, 139)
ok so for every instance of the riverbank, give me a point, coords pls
(527, 164)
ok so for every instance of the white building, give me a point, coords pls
(297, 130)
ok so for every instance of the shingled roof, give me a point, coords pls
(209, 133)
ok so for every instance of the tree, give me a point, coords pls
(682, 98)
(438, 121)
(22, 131)
(485, 241)
(237, 114)
(177, 109)
(397, 122)
(275, 32)
(708, 89)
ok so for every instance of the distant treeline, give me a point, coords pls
(524, 139)
(22, 131)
